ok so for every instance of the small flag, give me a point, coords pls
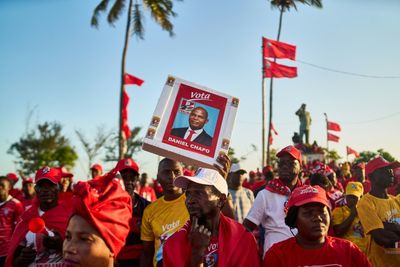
(273, 131)
(352, 151)
(130, 79)
(276, 49)
(333, 126)
(124, 114)
(275, 70)
(333, 138)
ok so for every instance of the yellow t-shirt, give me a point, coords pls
(355, 232)
(372, 212)
(160, 220)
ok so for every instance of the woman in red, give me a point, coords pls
(309, 211)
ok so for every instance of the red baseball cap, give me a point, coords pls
(12, 177)
(378, 163)
(252, 173)
(27, 181)
(127, 164)
(97, 167)
(51, 174)
(65, 172)
(308, 194)
(267, 169)
(292, 151)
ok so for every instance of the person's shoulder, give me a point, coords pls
(339, 243)
(286, 244)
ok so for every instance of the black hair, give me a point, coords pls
(215, 191)
(291, 216)
(321, 180)
(204, 110)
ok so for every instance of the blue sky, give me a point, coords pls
(52, 61)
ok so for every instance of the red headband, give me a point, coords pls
(107, 207)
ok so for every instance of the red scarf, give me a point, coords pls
(278, 187)
(232, 237)
(55, 219)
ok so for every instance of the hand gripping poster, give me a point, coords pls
(191, 123)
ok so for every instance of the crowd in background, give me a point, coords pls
(319, 214)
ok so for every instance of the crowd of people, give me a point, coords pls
(293, 214)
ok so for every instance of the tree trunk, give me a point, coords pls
(270, 93)
(122, 140)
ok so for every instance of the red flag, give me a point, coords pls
(273, 131)
(352, 151)
(276, 49)
(333, 138)
(124, 114)
(333, 126)
(130, 79)
(276, 70)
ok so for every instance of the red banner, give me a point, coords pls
(275, 70)
(273, 131)
(276, 49)
(130, 79)
(352, 151)
(333, 138)
(333, 126)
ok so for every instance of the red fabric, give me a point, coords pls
(335, 252)
(308, 194)
(276, 49)
(333, 126)
(127, 163)
(378, 163)
(147, 192)
(65, 172)
(51, 174)
(124, 114)
(64, 196)
(333, 138)
(107, 207)
(275, 70)
(273, 131)
(55, 219)
(292, 151)
(12, 177)
(350, 151)
(9, 215)
(130, 79)
(17, 193)
(237, 247)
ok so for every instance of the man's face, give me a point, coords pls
(288, 168)
(200, 201)
(46, 191)
(359, 174)
(5, 187)
(95, 173)
(237, 179)
(313, 221)
(28, 188)
(167, 172)
(130, 178)
(197, 119)
(384, 177)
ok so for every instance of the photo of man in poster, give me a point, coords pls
(198, 117)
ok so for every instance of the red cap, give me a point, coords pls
(308, 194)
(267, 169)
(107, 207)
(27, 181)
(292, 151)
(187, 172)
(252, 173)
(321, 168)
(12, 177)
(51, 174)
(65, 172)
(97, 167)
(127, 164)
(378, 163)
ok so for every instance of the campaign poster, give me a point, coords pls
(195, 120)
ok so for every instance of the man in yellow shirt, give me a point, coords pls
(164, 216)
(345, 221)
(380, 215)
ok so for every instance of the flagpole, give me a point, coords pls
(262, 104)
(347, 155)
(327, 141)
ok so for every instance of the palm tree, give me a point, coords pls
(282, 5)
(160, 10)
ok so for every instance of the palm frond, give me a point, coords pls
(287, 4)
(96, 13)
(137, 22)
(161, 11)
(116, 11)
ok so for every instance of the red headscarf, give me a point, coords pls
(107, 207)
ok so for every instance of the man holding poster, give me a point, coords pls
(198, 117)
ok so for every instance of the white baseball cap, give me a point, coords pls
(236, 167)
(206, 177)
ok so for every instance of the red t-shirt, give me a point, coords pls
(335, 252)
(148, 193)
(10, 211)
